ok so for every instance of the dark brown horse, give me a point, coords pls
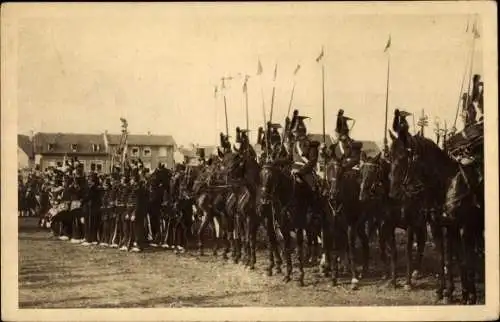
(420, 170)
(349, 221)
(384, 214)
(288, 200)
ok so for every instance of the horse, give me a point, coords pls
(177, 214)
(384, 214)
(349, 220)
(243, 172)
(420, 169)
(213, 200)
(287, 201)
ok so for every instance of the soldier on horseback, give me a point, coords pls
(400, 125)
(224, 143)
(342, 130)
(245, 148)
(305, 153)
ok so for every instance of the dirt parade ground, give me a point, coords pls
(58, 274)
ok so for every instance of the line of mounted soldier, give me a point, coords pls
(237, 191)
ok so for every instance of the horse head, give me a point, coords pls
(371, 171)
(399, 156)
(268, 180)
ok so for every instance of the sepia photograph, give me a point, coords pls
(250, 161)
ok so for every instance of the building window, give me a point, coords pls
(96, 147)
(162, 152)
(97, 165)
(50, 147)
(59, 164)
(134, 151)
(146, 152)
(147, 165)
(74, 147)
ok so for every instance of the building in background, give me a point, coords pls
(25, 155)
(188, 155)
(150, 149)
(50, 149)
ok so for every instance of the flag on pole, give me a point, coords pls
(223, 86)
(296, 70)
(475, 31)
(259, 68)
(320, 55)
(245, 85)
(388, 45)
(215, 90)
(275, 71)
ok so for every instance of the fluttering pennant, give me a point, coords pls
(475, 32)
(388, 45)
(215, 90)
(318, 59)
(259, 68)
(245, 85)
(296, 70)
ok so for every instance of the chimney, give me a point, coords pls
(149, 133)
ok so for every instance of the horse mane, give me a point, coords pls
(426, 147)
(437, 167)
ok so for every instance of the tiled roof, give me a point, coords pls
(319, 138)
(62, 143)
(371, 148)
(143, 139)
(25, 144)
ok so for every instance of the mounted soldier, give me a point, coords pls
(342, 130)
(305, 153)
(224, 144)
(400, 125)
(245, 148)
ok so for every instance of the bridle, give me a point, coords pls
(377, 181)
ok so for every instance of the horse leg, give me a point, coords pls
(409, 256)
(288, 257)
(204, 223)
(463, 268)
(271, 238)
(421, 237)
(363, 236)
(391, 239)
(471, 260)
(351, 236)
(438, 235)
(217, 234)
(449, 239)
(300, 255)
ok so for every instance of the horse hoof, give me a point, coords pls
(269, 272)
(251, 267)
(334, 283)
(391, 285)
(286, 279)
(385, 277)
(407, 287)
(415, 275)
(446, 300)
(279, 271)
(354, 284)
(300, 283)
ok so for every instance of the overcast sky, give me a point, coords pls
(157, 65)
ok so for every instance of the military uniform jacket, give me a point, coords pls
(305, 157)
(121, 195)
